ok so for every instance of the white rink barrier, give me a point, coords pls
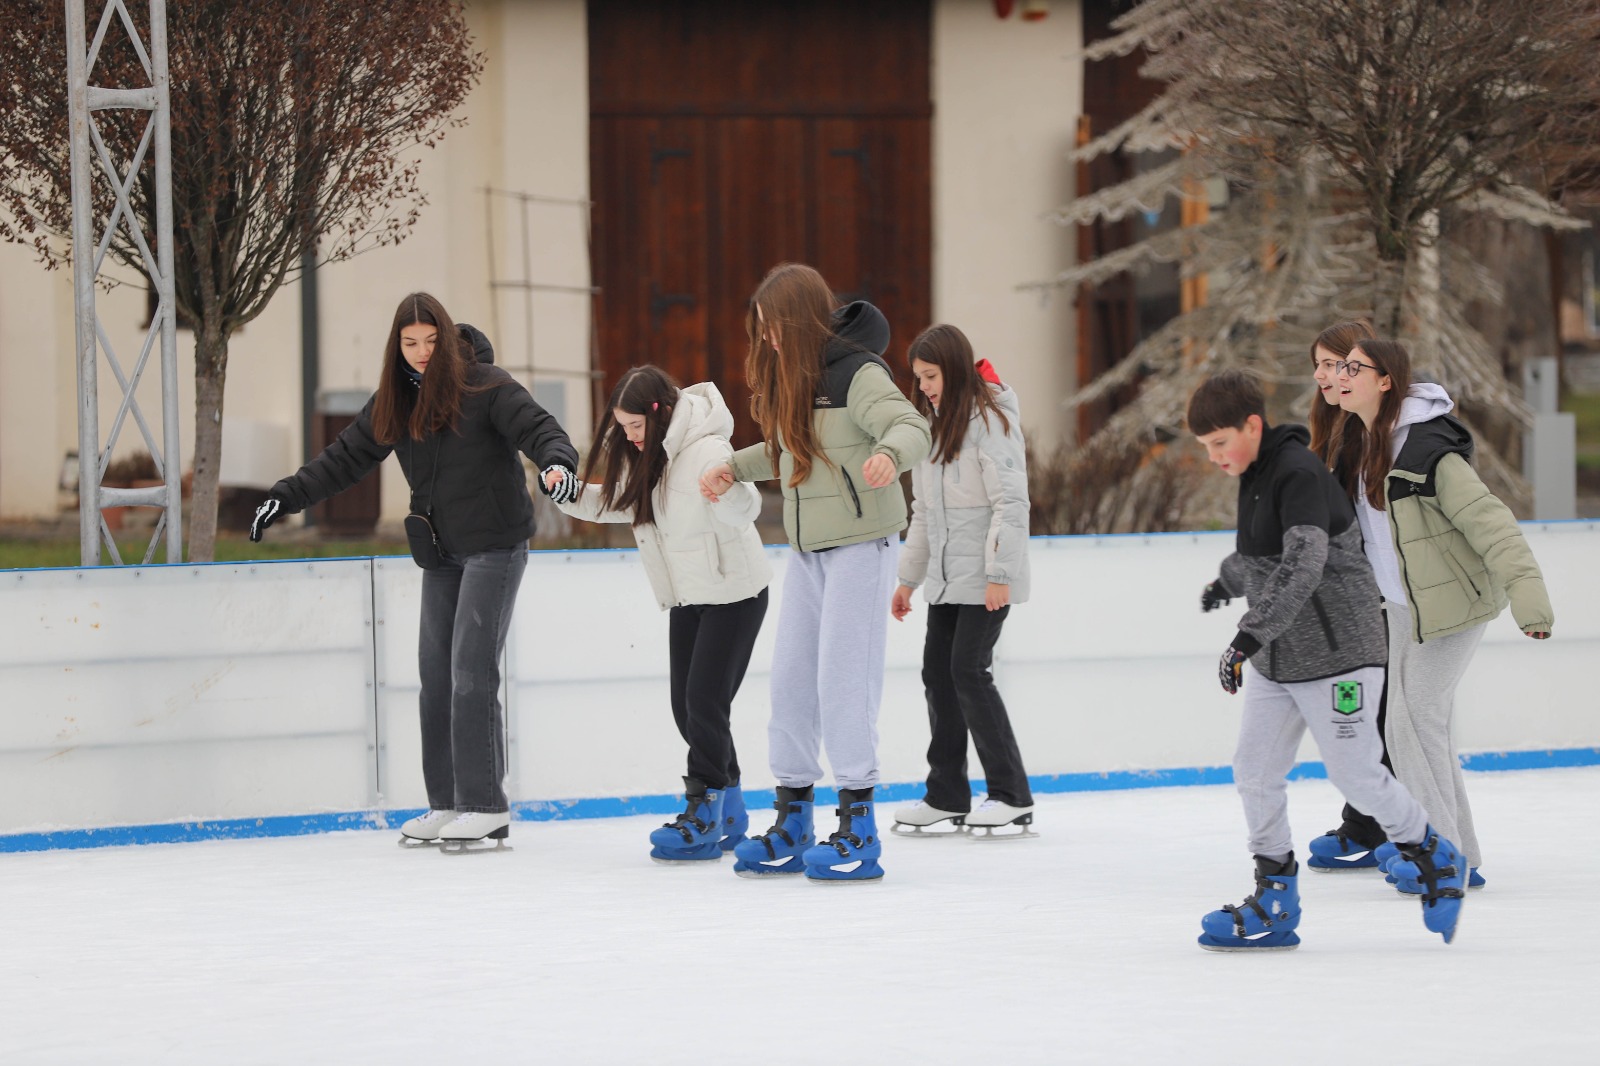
(179, 702)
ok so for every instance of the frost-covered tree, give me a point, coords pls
(1350, 135)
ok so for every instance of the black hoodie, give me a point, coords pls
(469, 476)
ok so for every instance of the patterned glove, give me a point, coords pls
(1231, 670)
(269, 511)
(1213, 596)
(566, 489)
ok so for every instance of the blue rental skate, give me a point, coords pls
(1441, 870)
(776, 853)
(735, 819)
(1335, 850)
(1266, 920)
(851, 854)
(1386, 853)
(1414, 888)
(692, 836)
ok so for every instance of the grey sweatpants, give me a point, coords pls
(827, 668)
(1422, 705)
(1342, 714)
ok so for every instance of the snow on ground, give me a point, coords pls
(1077, 947)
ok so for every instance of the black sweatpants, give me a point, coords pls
(710, 646)
(956, 674)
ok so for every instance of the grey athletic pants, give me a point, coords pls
(1342, 714)
(827, 668)
(1422, 704)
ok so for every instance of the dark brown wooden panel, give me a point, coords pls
(759, 56)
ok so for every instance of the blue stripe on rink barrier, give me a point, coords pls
(619, 807)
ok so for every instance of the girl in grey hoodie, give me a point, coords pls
(968, 548)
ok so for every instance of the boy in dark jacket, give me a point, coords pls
(1317, 641)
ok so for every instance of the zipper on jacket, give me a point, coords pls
(851, 485)
(1399, 553)
(798, 544)
(1322, 619)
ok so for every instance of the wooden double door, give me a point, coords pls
(728, 137)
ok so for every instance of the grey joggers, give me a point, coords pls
(827, 669)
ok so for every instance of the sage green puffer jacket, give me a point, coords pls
(1463, 558)
(858, 413)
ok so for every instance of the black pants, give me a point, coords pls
(711, 646)
(956, 662)
(1359, 827)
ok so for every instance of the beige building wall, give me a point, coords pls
(1006, 95)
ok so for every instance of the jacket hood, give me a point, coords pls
(857, 327)
(987, 372)
(701, 412)
(1275, 438)
(1006, 397)
(1424, 401)
(1428, 442)
(482, 350)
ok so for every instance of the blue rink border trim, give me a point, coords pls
(756, 800)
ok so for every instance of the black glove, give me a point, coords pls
(1231, 670)
(270, 510)
(1214, 595)
(566, 489)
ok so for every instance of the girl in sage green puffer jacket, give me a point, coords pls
(1448, 556)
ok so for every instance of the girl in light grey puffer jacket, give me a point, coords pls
(968, 548)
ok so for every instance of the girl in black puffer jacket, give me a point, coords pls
(456, 423)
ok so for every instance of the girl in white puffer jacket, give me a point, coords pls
(968, 542)
(706, 565)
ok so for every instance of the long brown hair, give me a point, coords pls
(629, 475)
(405, 409)
(963, 394)
(1375, 446)
(1325, 416)
(796, 304)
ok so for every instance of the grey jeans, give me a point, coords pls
(466, 611)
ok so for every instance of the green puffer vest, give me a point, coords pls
(1462, 557)
(858, 413)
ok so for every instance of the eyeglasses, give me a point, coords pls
(1354, 368)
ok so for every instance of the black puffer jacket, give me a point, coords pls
(479, 497)
(1314, 604)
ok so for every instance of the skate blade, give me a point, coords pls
(771, 875)
(1342, 869)
(467, 847)
(926, 832)
(973, 831)
(415, 843)
(1241, 949)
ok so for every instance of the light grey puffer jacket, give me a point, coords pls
(969, 517)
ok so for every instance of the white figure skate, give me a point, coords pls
(993, 815)
(423, 830)
(474, 830)
(920, 820)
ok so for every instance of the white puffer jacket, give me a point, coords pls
(696, 551)
(969, 517)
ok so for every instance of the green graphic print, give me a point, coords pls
(1347, 696)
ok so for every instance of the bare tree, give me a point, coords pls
(1349, 134)
(295, 125)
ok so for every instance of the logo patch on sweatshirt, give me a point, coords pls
(1347, 696)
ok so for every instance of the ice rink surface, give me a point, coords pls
(1077, 947)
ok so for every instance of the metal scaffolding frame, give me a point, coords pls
(89, 251)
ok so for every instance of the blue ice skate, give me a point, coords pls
(1441, 870)
(1414, 888)
(1386, 853)
(776, 853)
(735, 819)
(1266, 920)
(693, 835)
(1334, 851)
(851, 854)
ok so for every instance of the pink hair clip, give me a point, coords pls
(654, 406)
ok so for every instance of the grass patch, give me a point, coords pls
(36, 553)
(1586, 408)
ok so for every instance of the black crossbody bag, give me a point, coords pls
(420, 534)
